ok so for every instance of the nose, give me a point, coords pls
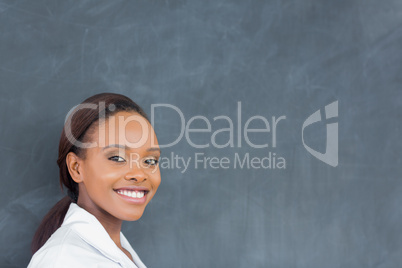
(136, 174)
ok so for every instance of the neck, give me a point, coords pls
(112, 227)
(110, 223)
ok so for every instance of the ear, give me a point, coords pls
(74, 166)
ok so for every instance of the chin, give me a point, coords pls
(132, 217)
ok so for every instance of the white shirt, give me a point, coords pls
(82, 242)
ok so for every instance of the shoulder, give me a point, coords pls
(65, 248)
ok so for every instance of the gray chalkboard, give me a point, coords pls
(273, 58)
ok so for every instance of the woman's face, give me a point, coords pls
(121, 174)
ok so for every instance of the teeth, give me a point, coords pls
(133, 194)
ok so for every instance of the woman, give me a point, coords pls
(108, 160)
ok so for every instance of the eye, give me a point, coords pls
(152, 161)
(117, 158)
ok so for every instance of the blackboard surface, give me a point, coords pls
(273, 58)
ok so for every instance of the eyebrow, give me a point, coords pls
(152, 149)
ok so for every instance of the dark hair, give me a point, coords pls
(81, 121)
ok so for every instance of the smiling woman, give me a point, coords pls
(108, 160)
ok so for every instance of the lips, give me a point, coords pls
(133, 194)
(133, 188)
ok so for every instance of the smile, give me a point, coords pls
(135, 194)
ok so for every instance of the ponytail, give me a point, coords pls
(80, 120)
(50, 223)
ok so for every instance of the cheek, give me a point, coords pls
(155, 179)
(102, 177)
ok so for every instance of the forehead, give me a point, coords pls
(126, 128)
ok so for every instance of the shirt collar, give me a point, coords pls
(92, 231)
